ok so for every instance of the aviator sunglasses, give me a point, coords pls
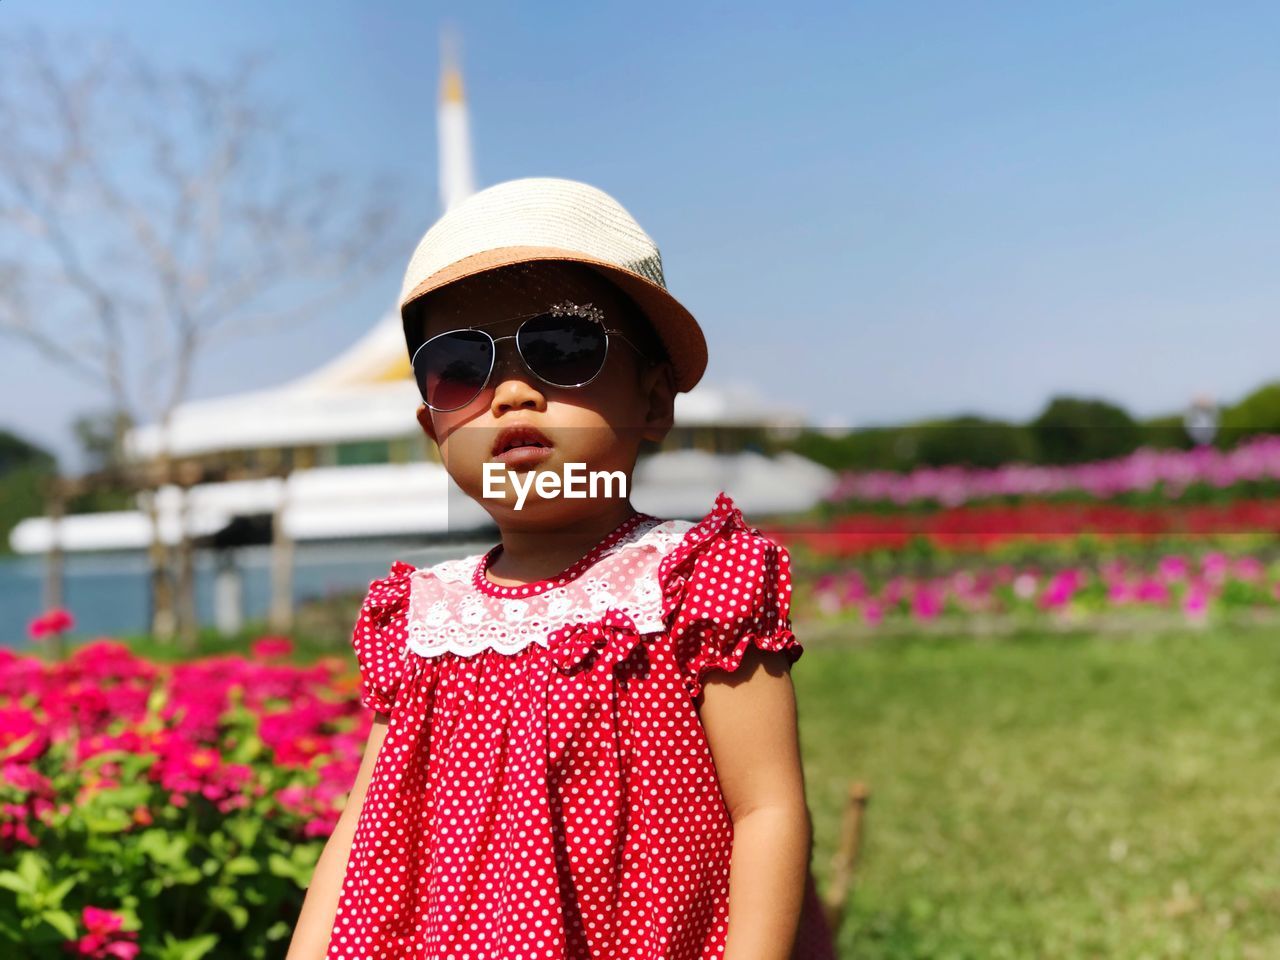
(564, 346)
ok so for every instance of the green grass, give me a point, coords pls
(1065, 797)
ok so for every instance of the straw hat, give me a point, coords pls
(547, 218)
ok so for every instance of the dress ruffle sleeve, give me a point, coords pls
(726, 587)
(380, 637)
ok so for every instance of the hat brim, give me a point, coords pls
(675, 326)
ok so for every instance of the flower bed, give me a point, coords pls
(168, 810)
(1198, 587)
(1038, 524)
(1155, 475)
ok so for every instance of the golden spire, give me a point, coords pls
(451, 85)
(450, 75)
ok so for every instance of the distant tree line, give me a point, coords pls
(1068, 430)
(27, 469)
(24, 470)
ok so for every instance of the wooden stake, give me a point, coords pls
(846, 854)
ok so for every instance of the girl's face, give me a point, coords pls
(600, 425)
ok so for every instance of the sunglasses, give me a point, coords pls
(564, 346)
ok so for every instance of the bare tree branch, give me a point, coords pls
(147, 213)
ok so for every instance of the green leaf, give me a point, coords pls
(108, 821)
(164, 848)
(282, 866)
(192, 949)
(243, 867)
(54, 894)
(244, 831)
(31, 870)
(186, 877)
(127, 796)
(61, 921)
(12, 881)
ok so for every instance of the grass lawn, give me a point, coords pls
(1068, 797)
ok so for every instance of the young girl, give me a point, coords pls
(584, 741)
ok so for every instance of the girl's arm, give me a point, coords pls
(750, 719)
(319, 909)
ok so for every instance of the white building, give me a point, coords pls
(355, 465)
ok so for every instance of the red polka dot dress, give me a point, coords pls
(545, 790)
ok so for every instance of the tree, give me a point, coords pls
(24, 471)
(1257, 413)
(1079, 430)
(147, 214)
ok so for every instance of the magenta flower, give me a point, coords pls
(1195, 604)
(1249, 569)
(1151, 590)
(927, 603)
(105, 937)
(22, 737)
(1214, 566)
(271, 648)
(34, 805)
(1173, 568)
(1061, 589)
(52, 621)
(873, 612)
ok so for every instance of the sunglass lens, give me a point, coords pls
(451, 369)
(565, 351)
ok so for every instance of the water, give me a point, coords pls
(108, 592)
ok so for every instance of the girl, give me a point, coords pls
(584, 740)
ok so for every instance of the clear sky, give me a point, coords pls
(877, 210)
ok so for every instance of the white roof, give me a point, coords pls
(343, 402)
(390, 500)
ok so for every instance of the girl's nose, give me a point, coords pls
(507, 362)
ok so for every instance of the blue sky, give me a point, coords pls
(878, 211)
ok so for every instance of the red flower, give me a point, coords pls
(56, 620)
(105, 939)
(23, 737)
(271, 648)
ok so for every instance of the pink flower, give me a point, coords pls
(105, 938)
(1249, 569)
(927, 603)
(1150, 590)
(1196, 602)
(22, 737)
(97, 920)
(271, 648)
(1062, 587)
(56, 620)
(1214, 565)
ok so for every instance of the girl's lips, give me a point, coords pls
(523, 457)
(519, 434)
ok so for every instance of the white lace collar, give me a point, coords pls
(452, 615)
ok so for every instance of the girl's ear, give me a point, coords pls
(658, 387)
(424, 421)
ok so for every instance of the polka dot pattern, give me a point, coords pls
(560, 801)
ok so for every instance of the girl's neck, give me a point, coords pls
(529, 555)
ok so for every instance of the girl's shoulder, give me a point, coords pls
(726, 588)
